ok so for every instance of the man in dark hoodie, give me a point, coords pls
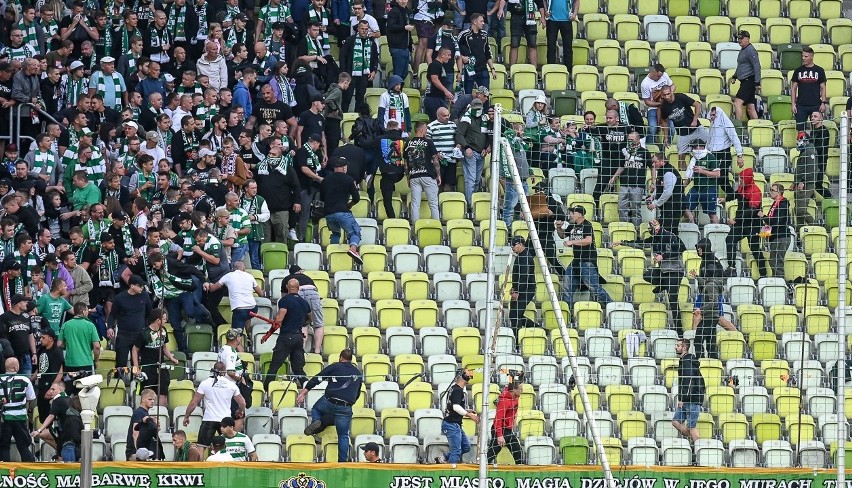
(393, 105)
(278, 184)
(471, 136)
(806, 183)
(392, 165)
(359, 57)
(667, 249)
(777, 229)
(523, 282)
(399, 28)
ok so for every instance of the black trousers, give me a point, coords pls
(511, 442)
(725, 160)
(358, 88)
(332, 134)
(18, 430)
(292, 347)
(206, 432)
(211, 303)
(123, 345)
(42, 403)
(745, 230)
(516, 310)
(667, 282)
(705, 340)
(387, 187)
(566, 30)
(670, 214)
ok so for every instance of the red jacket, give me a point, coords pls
(507, 408)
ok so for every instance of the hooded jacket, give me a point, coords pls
(807, 165)
(216, 71)
(507, 409)
(665, 244)
(711, 268)
(384, 110)
(723, 135)
(398, 18)
(470, 133)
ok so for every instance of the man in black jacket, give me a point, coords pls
(523, 281)
(278, 184)
(690, 393)
(340, 194)
(667, 249)
(777, 219)
(359, 56)
(174, 281)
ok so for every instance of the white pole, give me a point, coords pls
(484, 429)
(554, 300)
(841, 297)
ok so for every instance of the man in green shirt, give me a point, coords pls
(242, 225)
(16, 391)
(85, 193)
(81, 342)
(703, 170)
(53, 305)
(238, 445)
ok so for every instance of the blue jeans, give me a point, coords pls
(510, 199)
(496, 27)
(26, 365)
(69, 453)
(458, 19)
(688, 415)
(478, 79)
(185, 302)
(653, 128)
(238, 253)
(472, 169)
(342, 420)
(583, 272)
(345, 221)
(459, 444)
(254, 254)
(239, 316)
(400, 58)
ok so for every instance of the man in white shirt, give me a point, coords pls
(217, 391)
(241, 289)
(360, 13)
(650, 89)
(723, 136)
(229, 355)
(218, 453)
(183, 109)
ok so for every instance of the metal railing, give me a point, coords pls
(13, 132)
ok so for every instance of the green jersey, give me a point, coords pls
(53, 309)
(16, 390)
(239, 446)
(79, 334)
(709, 163)
(239, 221)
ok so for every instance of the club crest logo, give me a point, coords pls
(302, 480)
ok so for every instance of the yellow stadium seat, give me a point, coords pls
(407, 366)
(774, 81)
(631, 424)
(607, 52)
(668, 53)
(688, 29)
(374, 256)
(810, 30)
(471, 259)
(466, 341)
(814, 239)
(824, 54)
(835, 85)
(415, 286)
(787, 401)
(627, 27)
(839, 31)
(817, 320)
(452, 205)
(395, 421)
(616, 8)
(616, 79)
(733, 426)
(720, 400)
(282, 394)
(631, 262)
(761, 133)
(382, 285)
(831, 293)
(588, 315)
(460, 233)
(390, 313)
(647, 7)
(619, 398)
(485, 233)
(719, 28)
(763, 345)
(559, 351)
(596, 26)
(336, 339)
(800, 428)
(779, 30)
(396, 232)
(523, 76)
(549, 315)
(613, 449)
(554, 77)
(418, 395)
(532, 341)
(504, 97)
(376, 368)
(731, 344)
(766, 427)
(424, 313)
(366, 340)
(824, 266)
(795, 265)
(300, 448)
(594, 395)
(797, 9)
(530, 423)
(429, 232)
(807, 294)
(637, 54)
(828, 9)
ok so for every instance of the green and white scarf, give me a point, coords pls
(313, 158)
(470, 67)
(623, 118)
(30, 35)
(7, 248)
(131, 63)
(160, 37)
(252, 207)
(136, 112)
(314, 49)
(280, 165)
(190, 144)
(19, 53)
(51, 29)
(196, 89)
(165, 283)
(270, 15)
(107, 269)
(129, 249)
(95, 233)
(362, 54)
(74, 88)
(177, 23)
(115, 103)
(27, 262)
(188, 237)
(529, 8)
(125, 39)
(231, 12)
(396, 109)
(231, 39)
(320, 17)
(201, 11)
(44, 162)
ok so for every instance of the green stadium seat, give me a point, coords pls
(780, 108)
(789, 56)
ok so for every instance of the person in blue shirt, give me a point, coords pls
(293, 313)
(335, 406)
(242, 91)
(560, 17)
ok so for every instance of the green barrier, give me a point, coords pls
(359, 475)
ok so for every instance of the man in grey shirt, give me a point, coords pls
(748, 74)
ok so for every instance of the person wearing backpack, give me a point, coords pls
(690, 394)
(367, 134)
(392, 165)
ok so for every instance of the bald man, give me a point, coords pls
(293, 313)
(17, 395)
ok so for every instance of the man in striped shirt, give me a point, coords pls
(237, 444)
(242, 225)
(16, 391)
(442, 133)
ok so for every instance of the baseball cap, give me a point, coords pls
(217, 440)
(315, 138)
(17, 298)
(11, 264)
(233, 334)
(182, 216)
(340, 162)
(151, 136)
(168, 77)
(371, 446)
(106, 237)
(131, 123)
(318, 98)
(802, 135)
(295, 269)
(50, 258)
(5, 182)
(743, 34)
(119, 215)
(31, 306)
(205, 152)
(49, 332)
(241, 16)
(196, 187)
(579, 209)
(76, 65)
(278, 26)
(143, 454)
(518, 240)
(86, 131)
(137, 280)
(107, 59)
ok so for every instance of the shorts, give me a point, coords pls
(425, 29)
(449, 174)
(706, 197)
(155, 374)
(747, 92)
(207, 430)
(688, 415)
(683, 140)
(519, 28)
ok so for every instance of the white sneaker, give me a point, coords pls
(292, 235)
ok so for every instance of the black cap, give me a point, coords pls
(60, 241)
(30, 306)
(278, 25)
(196, 187)
(182, 216)
(6, 181)
(50, 258)
(119, 215)
(241, 16)
(579, 209)
(371, 446)
(48, 332)
(318, 98)
(295, 269)
(315, 138)
(518, 240)
(17, 298)
(217, 440)
(11, 263)
(743, 34)
(106, 237)
(340, 162)
(136, 280)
